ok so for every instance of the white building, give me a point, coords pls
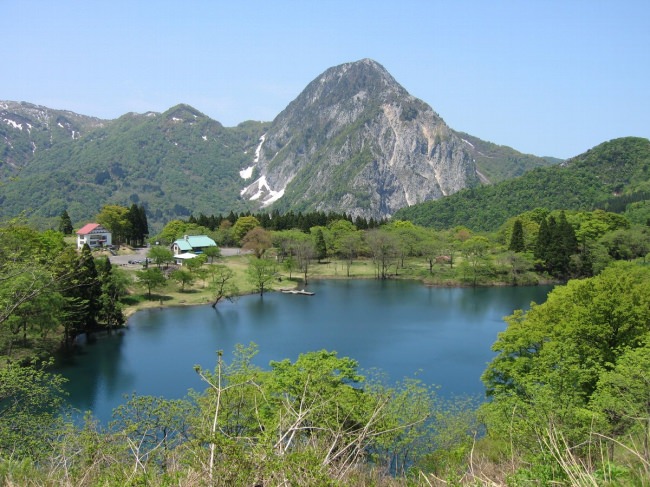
(94, 235)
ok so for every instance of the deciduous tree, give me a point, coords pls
(258, 240)
(160, 255)
(116, 219)
(475, 250)
(151, 278)
(384, 249)
(30, 414)
(212, 253)
(183, 277)
(304, 252)
(550, 359)
(242, 226)
(260, 273)
(222, 283)
(349, 247)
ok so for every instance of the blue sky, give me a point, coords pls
(544, 77)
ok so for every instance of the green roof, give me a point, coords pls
(191, 242)
(183, 244)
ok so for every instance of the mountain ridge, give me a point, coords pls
(180, 161)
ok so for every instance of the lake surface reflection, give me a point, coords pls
(440, 335)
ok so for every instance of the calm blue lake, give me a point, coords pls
(440, 335)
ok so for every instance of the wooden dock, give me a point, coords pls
(297, 291)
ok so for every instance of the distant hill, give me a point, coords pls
(615, 169)
(175, 163)
(353, 141)
(496, 163)
(27, 130)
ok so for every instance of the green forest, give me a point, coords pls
(568, 390)
(170, 162)
(601, 178)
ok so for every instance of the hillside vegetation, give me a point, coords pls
(614, 170)
(174, 163)
(497, 163)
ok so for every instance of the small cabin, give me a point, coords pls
(192, 244)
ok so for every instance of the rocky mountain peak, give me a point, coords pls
(351, 81)
(355, 141)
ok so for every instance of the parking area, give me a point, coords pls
(140, 254)
(123, 260)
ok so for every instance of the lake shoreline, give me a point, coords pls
(143, 305)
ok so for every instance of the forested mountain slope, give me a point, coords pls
(497, 163)
(27, 130)
(612, 170)
(174, 163)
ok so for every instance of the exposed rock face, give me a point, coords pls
(355, 141)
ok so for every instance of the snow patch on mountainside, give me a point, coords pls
(273, 197)
(14, 124)
(259, 148)
(468, 143)
(261, 191)
(246, 173)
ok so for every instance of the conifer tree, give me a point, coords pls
(517, 243)
(65, 224)
(543, 241)
(320, 245)
(110, 310)
(556, 243)
(568, 245)
(138, 225)
(144, 224)
(568, 235)
(82, 292)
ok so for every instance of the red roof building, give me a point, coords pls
(94, 235)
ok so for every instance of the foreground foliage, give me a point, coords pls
(572, 375)
(315, 421)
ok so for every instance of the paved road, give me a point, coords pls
(123, 260)
(141, 254)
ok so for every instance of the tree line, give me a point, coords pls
(534, 245)
(290, 220)
(49, 292)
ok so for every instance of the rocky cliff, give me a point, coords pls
(355, 141)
